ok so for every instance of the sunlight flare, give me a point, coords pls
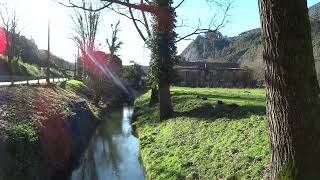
(3, 41)
(103, 67)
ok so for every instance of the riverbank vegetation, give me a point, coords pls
(36, 138)
(214, 134)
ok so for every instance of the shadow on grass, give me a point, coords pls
(213, 96)
(228, 111)
(203, 106)
(63, 84)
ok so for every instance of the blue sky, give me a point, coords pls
(34, 15)
(244, 14)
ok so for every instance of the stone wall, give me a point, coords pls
(215, 78)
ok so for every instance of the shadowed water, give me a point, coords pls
(113, 153)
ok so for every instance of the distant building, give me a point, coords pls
(204, 74)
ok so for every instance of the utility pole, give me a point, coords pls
(75, 66)
(48, 56)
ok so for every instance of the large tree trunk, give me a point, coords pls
(292, 90)
(154, 96)
(165, 101)
(80, 69)
(163, 51)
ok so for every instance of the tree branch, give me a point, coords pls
(142, 7)
(217, 27)
(179, 4)
(135, 24)
(72, 5)
(127, 16)
(146, 21)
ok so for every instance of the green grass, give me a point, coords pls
(25, 112)
(80, 89)
(73, 86)
(21, 68)
(200, 142)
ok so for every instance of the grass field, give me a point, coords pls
(205, 140)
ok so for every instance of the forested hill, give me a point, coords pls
(245, 48)
(29, 52)
(29, 58)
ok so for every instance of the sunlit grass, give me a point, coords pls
(200, 142)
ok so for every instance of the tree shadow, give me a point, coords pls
(214, 96)
(226, 111)
(63, 84)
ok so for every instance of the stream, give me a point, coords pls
(113, 153)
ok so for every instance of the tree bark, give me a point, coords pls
(154, 96)
(292, 90)
(165, 101)
(164, 53)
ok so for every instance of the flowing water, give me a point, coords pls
(113, 153)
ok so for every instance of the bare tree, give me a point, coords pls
(132, 10)
(85, 30)
(114, 44)
(163, 14)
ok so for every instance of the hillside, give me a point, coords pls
(29, 60)
(244, 48)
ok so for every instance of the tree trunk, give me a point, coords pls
(165, 101)
(292, 90)
(80, 69)
(11, 74)
(154, 96)
(164, 51)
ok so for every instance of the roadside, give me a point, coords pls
(215, 134)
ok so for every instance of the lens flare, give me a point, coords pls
(99, 63)
(100, 58)
(3, 40)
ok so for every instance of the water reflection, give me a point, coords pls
(113, 152)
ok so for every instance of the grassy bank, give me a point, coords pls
(21, 68)
(205, 140)
(33, 130)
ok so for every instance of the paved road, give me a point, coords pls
(41, 81)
